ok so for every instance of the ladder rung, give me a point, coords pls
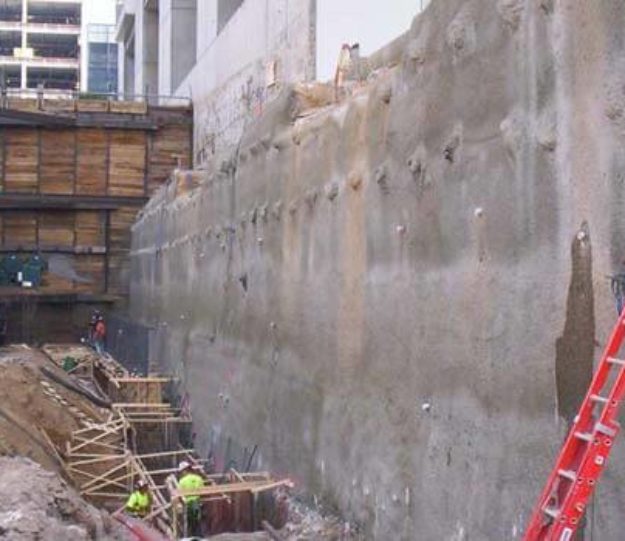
(601, 399)
(584, 436)
(614, 360)
(608, 431)
(552, 512)
(568, 474)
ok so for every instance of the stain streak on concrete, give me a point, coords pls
(575, 348)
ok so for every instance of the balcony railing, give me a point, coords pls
(40, 61)
(40, 28)
(103, 97)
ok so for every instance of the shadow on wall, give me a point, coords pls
(225, 11)
(129, 343)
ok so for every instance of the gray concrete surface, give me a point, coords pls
(231, 83)
(400, 299)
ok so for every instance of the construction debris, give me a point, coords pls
(36, 504)
(306, 524)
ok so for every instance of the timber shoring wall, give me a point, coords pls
(73, 192)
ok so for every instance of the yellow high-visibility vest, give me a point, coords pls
(139, 503)
(190, 481)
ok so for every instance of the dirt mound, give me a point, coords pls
(36, 504)
(36, 409)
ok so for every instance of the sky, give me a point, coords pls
(372, 23)
(100, 11)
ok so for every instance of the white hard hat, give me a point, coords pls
(183, 465)
(141, 483)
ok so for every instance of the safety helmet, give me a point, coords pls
(183, 466)
(141, 483)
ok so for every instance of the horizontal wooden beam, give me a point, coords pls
(18, 294)
(12, 117)
(165, 453)
(67, 202)
(230, 488)
(78, 250)
(147, 405)
(153, 379)
(154, 421)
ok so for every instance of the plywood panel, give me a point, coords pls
(22, 155)
(129, 107)
(91, 268)
(74, 273)
(91, 162)
(127, 163)
(90, 228)
(169, 147)
(24, 104)
(59, 105)
(121, 222)
(20, 228)
(56, 229)
(58, 155)
(59, 278)
(54, 283)
(92, 106)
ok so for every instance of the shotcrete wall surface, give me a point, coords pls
(400, 299)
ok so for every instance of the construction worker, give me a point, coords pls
(99, 334)
(189, 480)
(139, 503)
(91, 328)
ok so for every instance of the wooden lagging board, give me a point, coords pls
(55, 164)
(91, 162)
(21, 161)
(74, 234)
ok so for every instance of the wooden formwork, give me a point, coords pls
(139, 440)
(123, 387)
(232, 502)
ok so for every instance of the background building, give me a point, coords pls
(101, 53)
(40, 43)
(232, 56)
(60, 44)
(98, 59)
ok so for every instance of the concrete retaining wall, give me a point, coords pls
(400, 299)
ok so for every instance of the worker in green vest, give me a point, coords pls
(189, 480)
(140, 501)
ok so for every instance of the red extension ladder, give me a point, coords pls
(585, 451)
